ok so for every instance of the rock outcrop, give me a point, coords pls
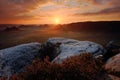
(71, 47)
(113, 64)
(113, 67)
(14, 59)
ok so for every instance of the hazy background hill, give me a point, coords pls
(100, 26)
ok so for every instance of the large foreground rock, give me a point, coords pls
(14, 59)
(71, 47)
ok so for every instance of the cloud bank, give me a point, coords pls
(42, 11)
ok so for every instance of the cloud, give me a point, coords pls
(13, 10)
(101, 12)
(104, 2)
(9, 8)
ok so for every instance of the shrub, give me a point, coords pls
(82, 67)
(49, 49)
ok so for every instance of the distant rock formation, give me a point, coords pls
(14, 59)
(71, 47)
(13, 28)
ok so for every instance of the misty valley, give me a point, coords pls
(100, 32)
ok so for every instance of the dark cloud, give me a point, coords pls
(104, 11)
(114, 3)
(104, 2)
(104, 7)
(9, 8)
(100, 1)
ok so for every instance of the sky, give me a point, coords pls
(58, 11)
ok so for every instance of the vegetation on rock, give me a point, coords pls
(81, 67)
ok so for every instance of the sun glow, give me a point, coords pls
(57, 21)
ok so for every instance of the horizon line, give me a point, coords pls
(55, 24)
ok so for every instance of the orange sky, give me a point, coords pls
(61, 11)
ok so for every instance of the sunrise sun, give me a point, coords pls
(57, 20)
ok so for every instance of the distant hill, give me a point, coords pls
(103, 26)
(99, 26)
(8, 27)
(15, 27)
(11, 29)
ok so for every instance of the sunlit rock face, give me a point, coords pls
(113, 67)
(71, 47)
(113, 64)
(14, 59)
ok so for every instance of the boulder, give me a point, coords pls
(14, 59)
(113, 64)
(71, 47)
(112, 77)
